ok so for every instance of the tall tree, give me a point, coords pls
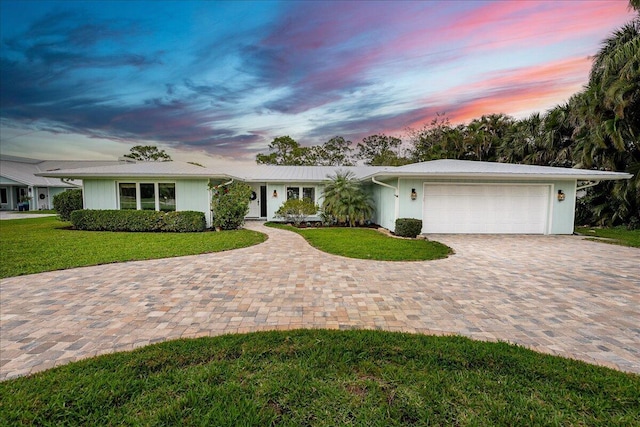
(381, 150)
(147, 153)
(284, 150)
(437, 140)
(607, 120)
(334, 152)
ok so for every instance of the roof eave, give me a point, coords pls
(533, 176)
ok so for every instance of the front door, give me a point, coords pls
(43, 198)
(254, 202)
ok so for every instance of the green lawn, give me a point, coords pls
(45, 244)
(367, 243)
(618, 235)
(325, 378)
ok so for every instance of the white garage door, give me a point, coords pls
(497, 209)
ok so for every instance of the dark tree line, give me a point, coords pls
(598, 128)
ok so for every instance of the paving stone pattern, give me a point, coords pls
(555, 294)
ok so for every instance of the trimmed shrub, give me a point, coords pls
(66, 202)
(138, 221)
(184, 221)
(296, 210)
(230, 204)
(408, 227)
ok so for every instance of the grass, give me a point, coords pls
(367, 243)
(45, 244)
(618, 235)
(324, 378)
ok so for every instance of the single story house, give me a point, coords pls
(21, 188)
(450, 196)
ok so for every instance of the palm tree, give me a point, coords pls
(345, 200)
(606, 117)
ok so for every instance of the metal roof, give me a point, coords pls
(449, 168)
(269, 173)
(24, 170)
(139, 170)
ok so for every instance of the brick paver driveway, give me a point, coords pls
(555, 294)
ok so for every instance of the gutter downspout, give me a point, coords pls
(395, 193)
(589, 185)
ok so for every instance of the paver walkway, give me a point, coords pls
(555, 294)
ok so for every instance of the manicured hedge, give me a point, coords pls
(130, 220)
(66, 202)
(408, 227)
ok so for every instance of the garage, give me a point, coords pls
(485, 208)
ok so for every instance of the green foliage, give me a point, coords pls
(382, 150)
(138, 221)
(325, 378)
(230, 204)
(284, 150)
(408, 227)
(296, 210)
(367, 243)
(624, 236)
(66, 202)
(147, 153)
(45, 244)
(345, 200)
(334, 152)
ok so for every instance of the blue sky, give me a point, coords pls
(217, 81)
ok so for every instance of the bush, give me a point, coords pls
(296, 210)
(67, 202)
(408, 227)
(229, 205)
(138, 221)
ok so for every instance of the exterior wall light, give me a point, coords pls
(414, 195)
(275, 194)
(561, 195)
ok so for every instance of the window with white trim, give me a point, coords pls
(308, 193)
(152, 196)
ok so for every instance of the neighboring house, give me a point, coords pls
(449, 196)
(20, 187)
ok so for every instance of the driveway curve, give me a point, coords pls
(554, 294)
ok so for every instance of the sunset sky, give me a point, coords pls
(211, 81)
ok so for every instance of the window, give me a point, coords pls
(307, 193)
(293, 193)
(148, 196)
(167, 197)
(3, 196)
(128, 195)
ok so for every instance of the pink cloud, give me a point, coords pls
(512, 92)
(501, 24)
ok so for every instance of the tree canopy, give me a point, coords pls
(147, 153)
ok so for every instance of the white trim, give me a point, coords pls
(139, 199)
